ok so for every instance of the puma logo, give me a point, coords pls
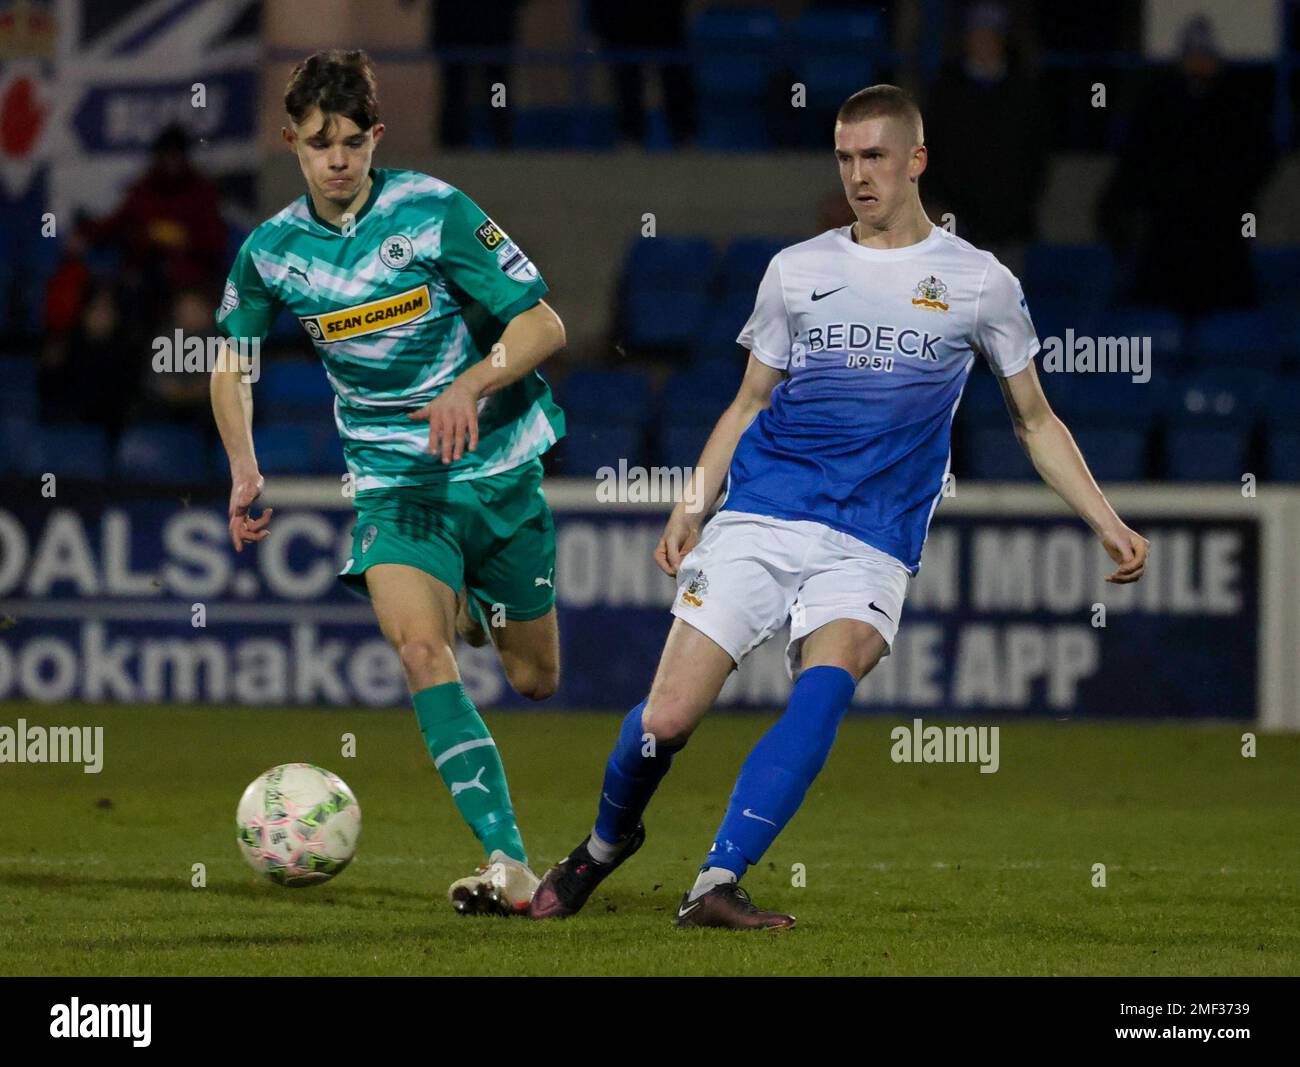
(542, 581)
(459, 787)
(299, 270)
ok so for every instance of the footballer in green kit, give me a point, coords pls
(430, 325)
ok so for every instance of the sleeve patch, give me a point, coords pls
(490, 235)
(229, 301)
(515, 264)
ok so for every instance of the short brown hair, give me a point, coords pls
(337, 82)
(882, 101)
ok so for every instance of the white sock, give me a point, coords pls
(709, 878)
(602, 851)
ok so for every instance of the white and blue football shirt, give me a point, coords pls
(877, 345)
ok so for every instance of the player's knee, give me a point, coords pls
(534, 681)
(670, 721)
(423, 661)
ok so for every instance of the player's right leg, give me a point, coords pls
(691, 673)
(417, 615)
(734, 590)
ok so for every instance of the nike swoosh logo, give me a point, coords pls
(819, 296)
(750, 815)
(683, 912)
(621, 807)
(882, 611)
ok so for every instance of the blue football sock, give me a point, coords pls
(782, 766)
(631, 779)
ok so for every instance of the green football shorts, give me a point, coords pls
(495, 536)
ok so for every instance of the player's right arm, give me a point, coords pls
(247, 309)
(683, 528)
(232, 405)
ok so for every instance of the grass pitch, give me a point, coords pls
(910, 869)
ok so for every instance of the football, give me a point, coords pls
(298, 824)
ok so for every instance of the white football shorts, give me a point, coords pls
(749, 573)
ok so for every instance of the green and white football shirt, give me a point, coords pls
(397, 304)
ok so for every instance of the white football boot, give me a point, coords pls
(502, 886)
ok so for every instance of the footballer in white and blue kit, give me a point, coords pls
(835, 453)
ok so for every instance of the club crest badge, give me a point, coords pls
(396, 251)
(695, 590)
(930, 294)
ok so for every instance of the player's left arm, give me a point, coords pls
(1060, 464)
(478, 258)
(529, 339)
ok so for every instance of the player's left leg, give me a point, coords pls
(510, 578)
(777, 774)
(530, 654)
(842, 623)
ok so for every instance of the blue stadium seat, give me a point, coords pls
(668, 261)
(161, 454)
(1257, 338)
(731, 127)
(734, 53)
(18, 385)
(35, 264)
(293, 445)
(1084, 274)
(67, 451)
(1105, 399)
(1281, 408)
(665, 291)
(1210, 415)
(1198, 453)
(17, 429)
(1113, 454)
(743, 263)
(293, 385)
(593, 395)
(1163, 326)
(663, 318)
(994, 454)
(835, 52)
(981, 400)
(680, 443)
(552, 128)
(1277, 273)
(1052, 316)
(284, 448)
(1219, 394)
(715, 336)
(734, 60)
(588, 446)
(700, 392)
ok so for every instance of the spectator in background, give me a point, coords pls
(87, 373)
(1196, 154)
(168, 230)
(179, 395)
(986, 116)
(623, 25)
(466, 86)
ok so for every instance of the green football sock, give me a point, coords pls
(466, 756)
